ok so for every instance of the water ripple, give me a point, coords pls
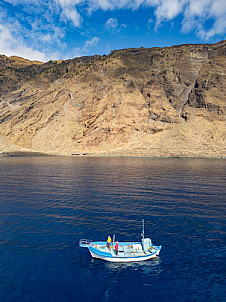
(48, 204)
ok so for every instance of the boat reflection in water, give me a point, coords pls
(144, 267)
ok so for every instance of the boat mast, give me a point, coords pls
(143, 229)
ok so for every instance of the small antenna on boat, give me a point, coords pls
(143, 229)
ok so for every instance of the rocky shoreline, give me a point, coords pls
(39, 154)
(21, 154)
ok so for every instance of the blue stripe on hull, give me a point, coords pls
(123, 259)
(109, 255)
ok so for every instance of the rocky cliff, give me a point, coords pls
(139, 102)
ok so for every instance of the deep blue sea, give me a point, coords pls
(48, 203)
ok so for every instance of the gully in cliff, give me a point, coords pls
(122, 251)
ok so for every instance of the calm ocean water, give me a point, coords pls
(48, 203)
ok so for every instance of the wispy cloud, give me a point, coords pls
(69, 11)
(167, 10)
(10, 45)
(91, 43)
(194, 12)
(84, 49)
(198, 11)
(30, 30)
(111, 23)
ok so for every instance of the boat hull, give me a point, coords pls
(128, 252)
(122, 259)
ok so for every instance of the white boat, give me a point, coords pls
(127, 251)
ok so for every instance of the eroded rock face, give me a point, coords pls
(142, 102)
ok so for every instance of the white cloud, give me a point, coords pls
(72, 15)
(199, 11)
(106, 4)
(83, 50)
(150, 24)
(167, 10)
(11, 46)
(91, 43)
(32, 35)
(69, 11)
(193, 12)
(111, 23)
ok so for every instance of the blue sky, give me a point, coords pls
(62, 29)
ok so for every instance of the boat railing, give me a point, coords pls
(84, 242)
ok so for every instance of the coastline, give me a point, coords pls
(21, 154)
(6, 153)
